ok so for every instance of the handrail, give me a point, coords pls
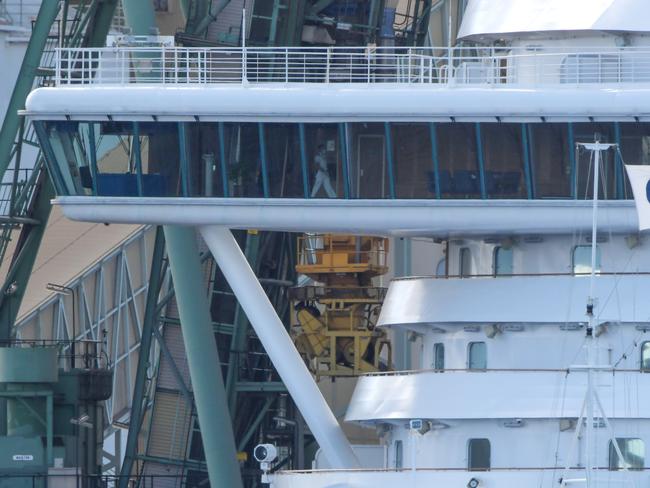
(413, 372)
(456, 66)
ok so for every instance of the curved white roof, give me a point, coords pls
(501, 18)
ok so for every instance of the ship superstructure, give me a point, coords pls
(475, 146)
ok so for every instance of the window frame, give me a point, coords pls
(644, 345)
(470, 443)
(613, 455)
(469, 355)
(598, 259)
(495, 260)
(437, 348)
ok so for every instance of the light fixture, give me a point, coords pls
(82, 421)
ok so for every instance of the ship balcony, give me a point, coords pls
(334, 127)
(440, 478)
(497, 66)
(504, 394)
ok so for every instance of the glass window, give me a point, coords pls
(412, 160)
(369, 163)
(458, 160)
(439, 356)
(635, 147)
(633, 451)
(503, 261)
(465, 262)
(645, 356)
(581, 261)
(587, 132)
(550, 159)
(399, 455)
(477, 355)
(504, 163)
(322, 148)
(478, 455)
(283, 160)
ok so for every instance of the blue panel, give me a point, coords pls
(126, 185)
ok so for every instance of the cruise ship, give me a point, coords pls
(530, 342)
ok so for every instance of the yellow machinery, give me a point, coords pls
(337, 315)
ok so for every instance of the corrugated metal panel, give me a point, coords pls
(174, 340)
(169, 427)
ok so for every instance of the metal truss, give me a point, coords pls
(106, 303)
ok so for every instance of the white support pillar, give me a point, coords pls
(279, 347)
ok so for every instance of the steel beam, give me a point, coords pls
(279, 346)
(139, 16)
(13, 290)
(150, 323)
(240, 329)
(25, 80)
(202, 356)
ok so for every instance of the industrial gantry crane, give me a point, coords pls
(337, 313)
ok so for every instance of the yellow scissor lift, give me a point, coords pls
(337, 315)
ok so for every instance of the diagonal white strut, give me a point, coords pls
(279, 346)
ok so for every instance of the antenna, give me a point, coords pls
(591, 396)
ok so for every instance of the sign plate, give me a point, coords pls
(23, 457)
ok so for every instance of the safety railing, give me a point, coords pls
(454, 66)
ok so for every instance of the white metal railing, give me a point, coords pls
(459, 65)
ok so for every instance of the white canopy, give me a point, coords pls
(501, 18)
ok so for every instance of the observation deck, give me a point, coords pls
(244, 126)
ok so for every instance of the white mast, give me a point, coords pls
(591, 396)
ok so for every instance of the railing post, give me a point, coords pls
(162, 64)
(368, 60)
(286, 65)
(244, 68)
(327, 63)
(57, 66)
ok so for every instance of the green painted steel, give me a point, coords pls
(572, 160)
(240, 329)
(480, 161)
(202, 358)
(25, 80)
(303, 160)
(434, 158)
(389, 159)
(28, 365)
(139, 16)
(149, 324)
(527, 167)
(13, 290)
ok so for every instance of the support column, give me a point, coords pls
(150, 322)
(202, 358)
(278, 345)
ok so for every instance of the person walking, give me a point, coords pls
(322, 174)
